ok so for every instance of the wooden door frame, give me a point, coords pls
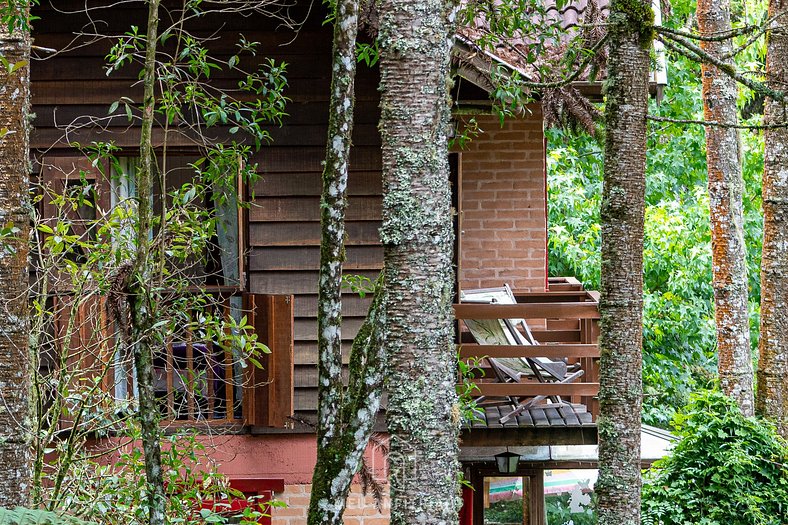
(535, 477)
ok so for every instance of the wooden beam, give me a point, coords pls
(555, 351)
(526, 437)
(572, 310)
(536, 389)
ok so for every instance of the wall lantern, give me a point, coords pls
(507, 462)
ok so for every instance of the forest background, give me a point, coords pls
(679, 347)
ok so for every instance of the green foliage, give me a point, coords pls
(116, 494)
(727, 469)
(559, 510)
(22, 516)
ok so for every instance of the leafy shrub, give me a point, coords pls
(727, 469)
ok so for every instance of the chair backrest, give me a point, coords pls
(507, 331)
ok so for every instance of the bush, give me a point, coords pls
(726, 469)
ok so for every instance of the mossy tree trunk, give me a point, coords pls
(15, 459)
(423, 415)
(621, 303)
(345, 418)
(729, 258)
(142, 303)
(772, 398)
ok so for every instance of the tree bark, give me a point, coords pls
(423, 414)
(729, 257)
(345, 418)
(621, 303)
(140, 298)
(772, 398)
(15, 458)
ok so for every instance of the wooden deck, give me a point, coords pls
(564, 322)
(569, 415)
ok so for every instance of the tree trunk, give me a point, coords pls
(345, 419)
(423, 414)
(772, 399)
(140, 298)
(15, 458)
(729, 257)
(621, 304)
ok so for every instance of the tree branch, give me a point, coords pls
(695, 53)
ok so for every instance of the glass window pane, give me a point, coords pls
(569, 496)
(503, 501)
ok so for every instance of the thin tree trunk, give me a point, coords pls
(621, 304)
(423, 415)
(729, 257)
(772, 399)
(15, 458)
(345, 418)
(141, 302)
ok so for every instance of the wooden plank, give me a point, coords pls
(541, 297)
(306, 159)
(359, 233)
(63, 92)
(310, 184)
(512, 437)
(50, 33)
(527, 311)
(556, 336)
(536, 389)
(306, 329)
(269, 398)
(554, 351)
(306, 376)
(292, 209)
(297, 283)
(305, 399)
(308, 258)
(305, 353)
(298, 113)
(92, 67)
(127, 135)
(352, 305)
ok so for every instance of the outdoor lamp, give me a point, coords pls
(507, 462)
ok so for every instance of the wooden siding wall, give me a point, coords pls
(284, 231)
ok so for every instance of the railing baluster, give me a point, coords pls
(190, 382)
(169, 370)
(229, 385)
(210, 361)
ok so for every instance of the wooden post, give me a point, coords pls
(536, 513)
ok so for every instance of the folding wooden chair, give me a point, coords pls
(516, 332)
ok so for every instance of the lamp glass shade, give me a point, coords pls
(507, 462)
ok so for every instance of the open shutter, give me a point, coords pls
(268, 394)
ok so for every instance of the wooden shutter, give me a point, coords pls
(268, 394)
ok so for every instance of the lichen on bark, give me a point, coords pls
(417, 237)
(772, 395)
(15, 458)
(729, 257)
(621, 303)
(346, 417)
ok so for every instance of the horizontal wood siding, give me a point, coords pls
(72, 94)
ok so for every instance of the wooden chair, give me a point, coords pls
(516, 332)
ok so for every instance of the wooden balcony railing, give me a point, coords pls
(195, 379)
(564, 323)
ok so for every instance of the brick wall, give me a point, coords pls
(360, 510)
(503, 204)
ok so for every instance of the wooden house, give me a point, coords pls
(499, 185)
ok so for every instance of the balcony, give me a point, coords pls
(197, 381)
(564, 324)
